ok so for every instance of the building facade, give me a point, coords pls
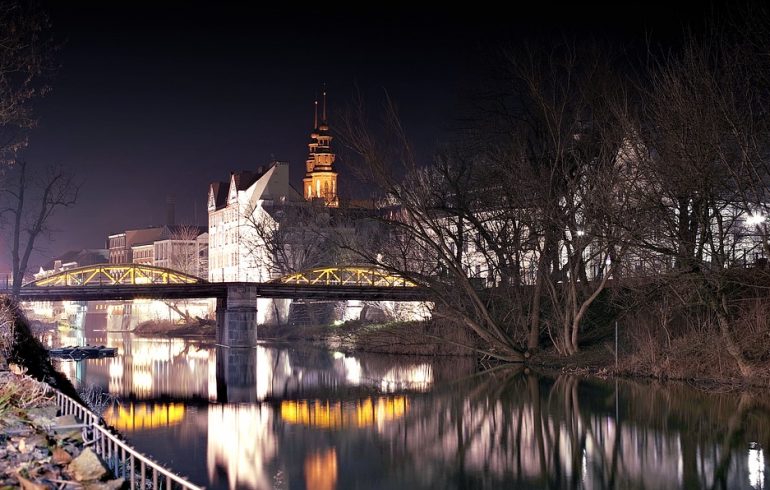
(143, 253)
(183, 248)
(235, 207)
(121, 244)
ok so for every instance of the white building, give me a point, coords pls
(183, 248)
(232, 206)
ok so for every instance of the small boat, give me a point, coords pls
(82, 352)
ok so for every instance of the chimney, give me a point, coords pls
(170, 211)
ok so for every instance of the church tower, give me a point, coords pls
(320, 180)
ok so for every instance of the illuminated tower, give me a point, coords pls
(320, 180)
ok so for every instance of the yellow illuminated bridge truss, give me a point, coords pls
(346, 276)
(115, 274)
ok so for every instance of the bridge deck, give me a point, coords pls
(220, 290)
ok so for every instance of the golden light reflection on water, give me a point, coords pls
(321, 470)
(241, 442)
(143, 416)
(334, 415)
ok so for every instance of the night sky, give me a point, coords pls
(155, 101)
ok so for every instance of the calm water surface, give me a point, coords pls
(299, 418)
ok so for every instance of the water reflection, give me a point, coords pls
(756, 466)
(325, 414)
(142, 416)
(241, 443)
(321, 470)
(279, 417)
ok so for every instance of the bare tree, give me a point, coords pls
(184, 255)
(563, 114)
(30, 202)
(706, 118)
(289, 237)
(425, 236)
(532, 214)
(24, 63)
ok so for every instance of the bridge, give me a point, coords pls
(236, 301)
(134, 281)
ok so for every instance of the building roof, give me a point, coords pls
(86, 256)
(245, 178)
(269, 182)
(143, 236)
(218, 190)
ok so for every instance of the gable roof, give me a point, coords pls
(258, 183)
(218, 191)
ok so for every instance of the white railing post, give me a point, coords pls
(113, 450)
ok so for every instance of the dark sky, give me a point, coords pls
(151, 101)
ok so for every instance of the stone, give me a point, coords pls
(60, 456)
(28, 444)
(67, 420)
(42, 417)
(87, 466)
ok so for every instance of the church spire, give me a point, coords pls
(320, 180)
(324, 113)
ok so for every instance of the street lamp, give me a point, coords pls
(755, 219)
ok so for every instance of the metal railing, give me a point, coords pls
(123, 460)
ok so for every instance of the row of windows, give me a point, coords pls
(227, 260)
(219, 239)
(229, 215)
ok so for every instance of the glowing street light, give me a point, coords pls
(755, 219)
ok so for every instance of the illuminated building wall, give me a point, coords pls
(234, 246)
(143, 254)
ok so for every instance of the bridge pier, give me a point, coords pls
(237, 316)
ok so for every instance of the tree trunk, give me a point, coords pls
(732, 347)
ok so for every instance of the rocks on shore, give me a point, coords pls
(33, 454)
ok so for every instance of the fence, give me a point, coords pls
(124, 461)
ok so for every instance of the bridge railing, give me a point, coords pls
(123, 460)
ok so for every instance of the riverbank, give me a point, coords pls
(39, 449)
(197, 328)
(427, 338)
(34, 454)
(687, 359)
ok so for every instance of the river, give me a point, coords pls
(291, 417)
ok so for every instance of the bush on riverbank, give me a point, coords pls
(671, 333)
(428, 338)
(197, 328)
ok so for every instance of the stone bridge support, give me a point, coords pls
(237, 316)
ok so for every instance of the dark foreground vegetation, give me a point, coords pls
(587, 186)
